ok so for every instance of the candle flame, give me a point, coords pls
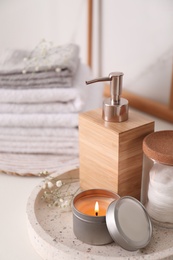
(96, 208)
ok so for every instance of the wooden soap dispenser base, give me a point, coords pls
(110, 143)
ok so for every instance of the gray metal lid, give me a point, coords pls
(128, 223)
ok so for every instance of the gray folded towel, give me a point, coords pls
(47, 100)
(46, 79)
(62, 59)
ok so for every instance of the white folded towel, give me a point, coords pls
(39, 132)
(64, 140)
(54, 107)
(37, 95)
(41, 148)
(39, 120)
(43, 58)
(61, 141)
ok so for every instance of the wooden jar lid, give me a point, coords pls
(159, 146)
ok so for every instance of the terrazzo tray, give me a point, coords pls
(51, 230)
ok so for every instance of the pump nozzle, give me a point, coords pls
(115, 108)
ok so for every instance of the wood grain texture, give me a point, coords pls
(171, 93)
(111, 153)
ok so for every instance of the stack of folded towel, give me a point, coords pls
(41, 94)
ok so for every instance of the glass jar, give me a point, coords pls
(157, 177)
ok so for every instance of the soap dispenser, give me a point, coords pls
(110, 143)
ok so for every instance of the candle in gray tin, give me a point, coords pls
(123, 220)
(89, 224)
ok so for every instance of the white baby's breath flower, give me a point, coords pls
(50, 184)
(65, 204)
(59, 183)
(57, 69)
(55, 196)
(44, 186)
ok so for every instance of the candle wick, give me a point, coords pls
(96, 213)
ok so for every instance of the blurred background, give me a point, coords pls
(133, 36)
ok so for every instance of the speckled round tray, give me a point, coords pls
(51, 230)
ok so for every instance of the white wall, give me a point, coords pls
(136, 36)
(24, 23)
(138, 40)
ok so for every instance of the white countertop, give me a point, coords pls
(14, 192)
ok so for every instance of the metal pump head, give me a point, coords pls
(115, 108)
